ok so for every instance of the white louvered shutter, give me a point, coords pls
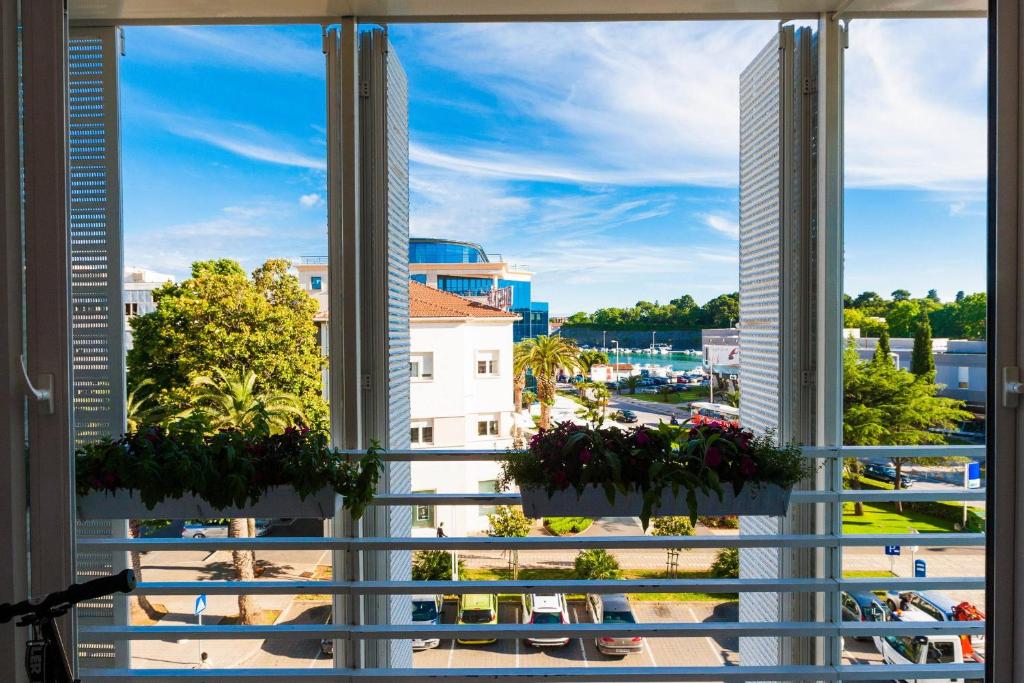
(777, 181)
(98, 380)
(384, 184)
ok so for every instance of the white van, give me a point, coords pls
(947, 649)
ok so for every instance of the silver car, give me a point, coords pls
(614, 609)
(215, 529)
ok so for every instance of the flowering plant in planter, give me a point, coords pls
(226, 468)
(652, 466)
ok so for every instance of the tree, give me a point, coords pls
(869, 325)
(631, 382)
(722, 311)
(509, 522)
(595, 398)
(433, 565)
(221, 319)
(589, 358)
(596, 564)
(664, 391)
(884, 406)
(882, 349)
(732, 398)
(922, 362)
(933, 295)
(230, 399)
(672, 526)
(867, 300)
(529, 398)
(959, 296)
(726, 564)
(520, 364)
(900, 295)
(545, 357)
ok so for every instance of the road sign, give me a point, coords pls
(913, 549)
(892, 550)
(972, 475)
(920, 569)
(200, 604)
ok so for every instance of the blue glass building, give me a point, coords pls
(434, 252)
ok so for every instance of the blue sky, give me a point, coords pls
(604, 157)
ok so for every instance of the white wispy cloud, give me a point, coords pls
(311, 200)
(721, 223)
(247, 141)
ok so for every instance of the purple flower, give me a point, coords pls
(641, 438)
(713, 457)
(585, 455)
(748, 468)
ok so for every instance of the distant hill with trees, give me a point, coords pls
(900, 314)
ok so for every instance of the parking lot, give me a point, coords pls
(583, 651)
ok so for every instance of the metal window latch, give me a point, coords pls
(43, 394)
(1012, 387)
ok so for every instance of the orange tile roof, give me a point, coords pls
(427, 302)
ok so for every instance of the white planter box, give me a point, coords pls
(277, 502)
(767, 500)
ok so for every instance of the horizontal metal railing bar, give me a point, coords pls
(846, 496)
(441, 454)
(794, 629)
(536, 542)
(590, 674)
(602, 586)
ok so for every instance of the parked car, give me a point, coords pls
(863, 606)
(935, 604)
(545, 609)
(477, 609)
(625, 416)
(425, 611)
(614, 609)
(887, 473)
(216, 529)
(906, 650)
(327, 645)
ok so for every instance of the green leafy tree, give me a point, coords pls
(221, 319)
(588, 358)
(884, 406)
(665, 391)
(882, 349)
(722, 311)
(508, 521)
(672, 526)
(529, 398)
(726, 564)
(922, 361)
(596, 564)
(933, 294)
(546, 356)
(594, 400)
(229, 399)
(520, 365)
(869, 300)
(433, 565)
(631, 382)
(900, 295)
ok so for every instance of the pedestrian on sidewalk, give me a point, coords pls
(440, 531)
(204, 661)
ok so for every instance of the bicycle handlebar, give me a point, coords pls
(123, 582)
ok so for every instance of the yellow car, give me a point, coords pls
(480, 610)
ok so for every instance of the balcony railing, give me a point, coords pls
(348, 627)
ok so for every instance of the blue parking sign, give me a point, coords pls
(892, 550)
(920, 569)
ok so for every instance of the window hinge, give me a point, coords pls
(806, 378)
(1012, 387)
(364, 88)
(366, 382)
(810, 86)
(121, 42)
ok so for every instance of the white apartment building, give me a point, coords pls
(137, 294)
(460, 360)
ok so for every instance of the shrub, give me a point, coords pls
(672, 526)
(433, 565)
(529, 398)
(596, 564)
(561, 526)
(726, 564)
(730, 522)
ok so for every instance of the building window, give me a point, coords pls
(487, 486)
(423, 515)
(316, 282)
(488, 427)
(486, 363)
(131, 309)
(421, 366)
(421, 432)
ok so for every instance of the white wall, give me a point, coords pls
(454, 398)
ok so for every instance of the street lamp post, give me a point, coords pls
(618, 380)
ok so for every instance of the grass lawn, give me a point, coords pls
(567, 526)
(696, 394)
(555, 573)
(883, 518)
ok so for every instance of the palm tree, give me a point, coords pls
(589, 358)
(546, 356)
(520, 364)
(230, 399)
(631, 382)
(665, 390)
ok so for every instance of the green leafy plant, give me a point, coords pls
(433, 565)
(726, 564)
(228, 467)
(597, 563)
(683, 459)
